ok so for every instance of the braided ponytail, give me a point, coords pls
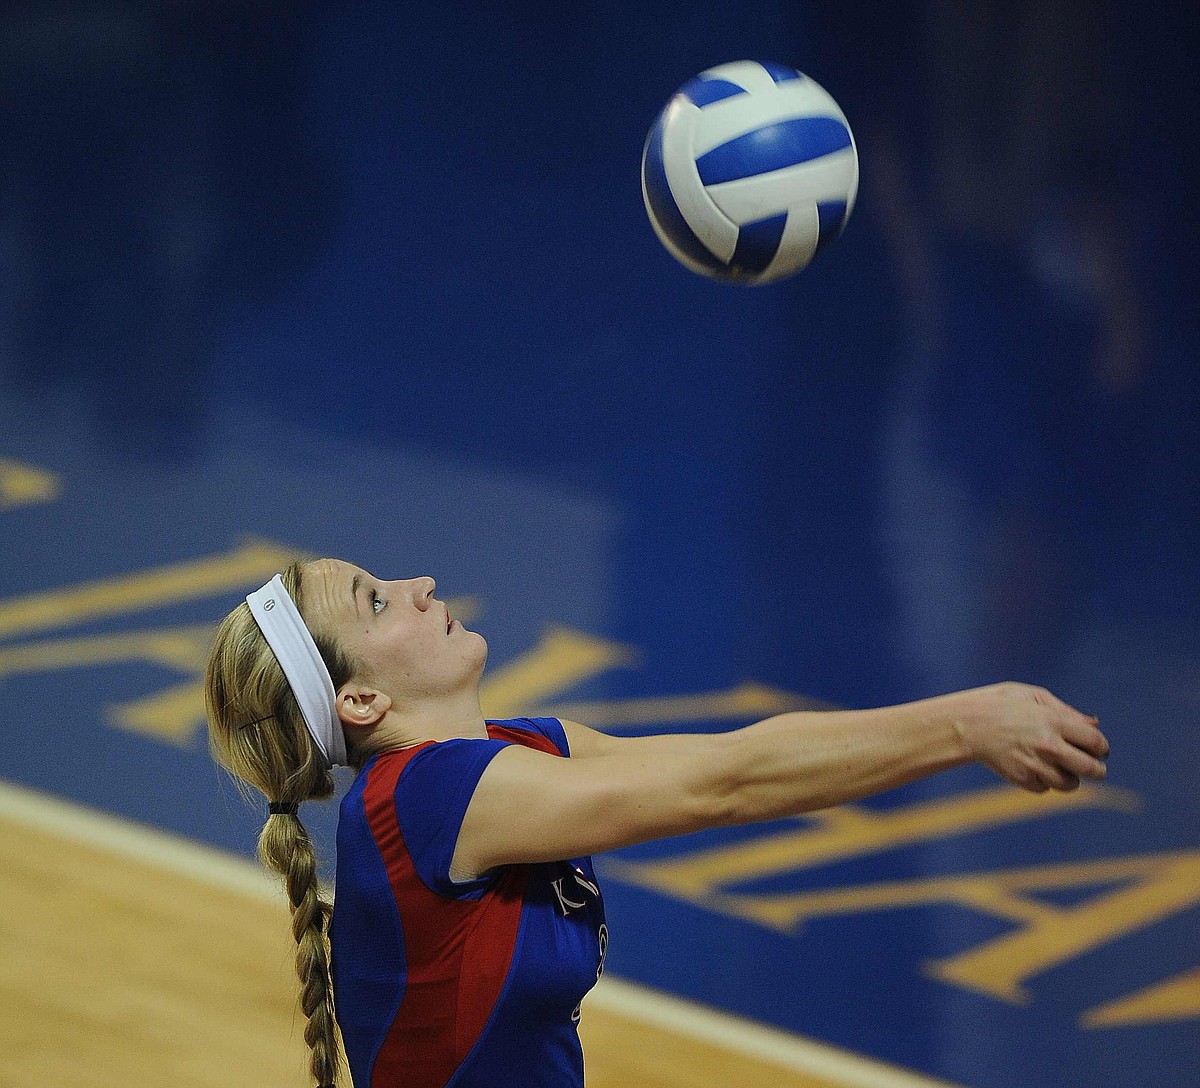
(257, 733)
(285, 847)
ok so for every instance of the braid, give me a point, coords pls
(284, 846)
(257, 732)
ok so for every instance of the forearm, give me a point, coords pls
(802, 761)
(808, 760)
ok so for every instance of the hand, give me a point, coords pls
(1031, 738)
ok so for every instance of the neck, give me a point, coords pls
(445, 719)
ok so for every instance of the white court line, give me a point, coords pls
(245, 877)
(766, 1044)
(174, 853)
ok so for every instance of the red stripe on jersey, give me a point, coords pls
(520, 736)
(445, 1005)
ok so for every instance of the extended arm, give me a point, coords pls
(532, 807)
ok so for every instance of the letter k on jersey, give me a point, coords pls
(573, 890)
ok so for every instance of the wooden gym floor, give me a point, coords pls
(136, 960)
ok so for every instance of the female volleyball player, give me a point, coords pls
(469, 924)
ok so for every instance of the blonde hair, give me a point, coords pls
(256, 732)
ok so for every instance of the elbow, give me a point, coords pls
(726, 809)
(723, 798)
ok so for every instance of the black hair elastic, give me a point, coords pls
(285, 808)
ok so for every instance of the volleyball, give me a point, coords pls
(749, 172)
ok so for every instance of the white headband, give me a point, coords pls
(292, 643)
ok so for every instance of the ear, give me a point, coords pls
(359, 706)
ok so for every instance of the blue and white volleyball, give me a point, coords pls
(749, 172)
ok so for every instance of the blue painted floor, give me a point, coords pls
(378, 284)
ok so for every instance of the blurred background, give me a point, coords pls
(375, 281)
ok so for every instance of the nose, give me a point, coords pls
(422, 591)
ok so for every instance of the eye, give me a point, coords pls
(378, 604)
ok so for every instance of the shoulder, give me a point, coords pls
(543, 734)
(569, 738)
(586, 742)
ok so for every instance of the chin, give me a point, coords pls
(483, 649)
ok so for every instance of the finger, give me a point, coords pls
(1074, 761)
(1048, 698)
(1083, 734)
(1057, 778)
(1070, 711)
(1027, 773)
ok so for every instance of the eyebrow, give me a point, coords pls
(354, 584)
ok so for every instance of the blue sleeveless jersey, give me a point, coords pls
(438, 983)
